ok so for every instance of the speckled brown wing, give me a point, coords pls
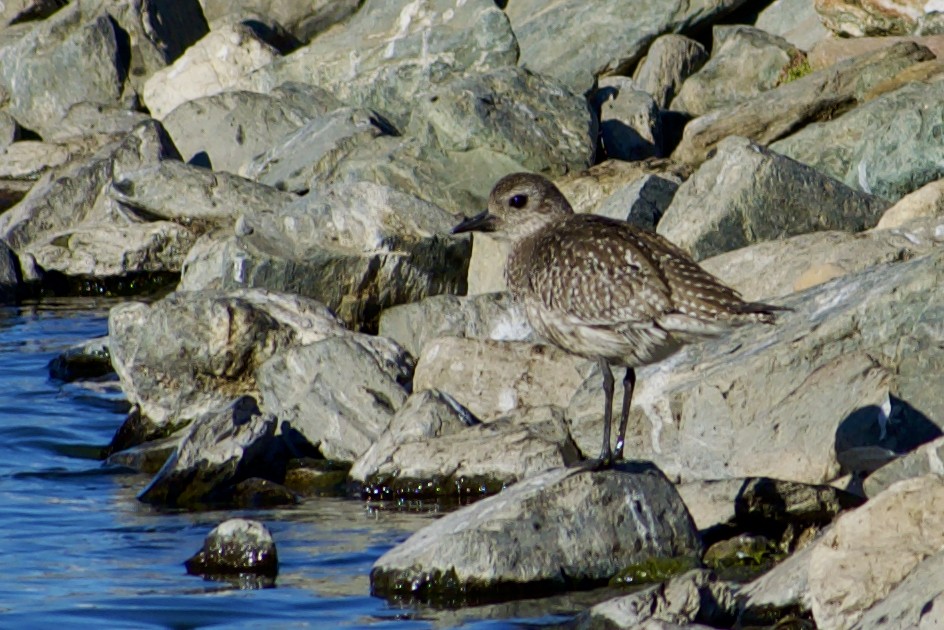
(597, 270)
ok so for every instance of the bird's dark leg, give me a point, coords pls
(629, 384)
(606, 456)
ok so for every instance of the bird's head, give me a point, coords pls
(519, 205)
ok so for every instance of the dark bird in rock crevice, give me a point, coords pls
(605, 289)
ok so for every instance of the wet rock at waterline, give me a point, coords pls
(562, 529)
(222, 449)
(435, 448)
(239, 550)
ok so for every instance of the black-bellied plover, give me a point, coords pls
(605, 289)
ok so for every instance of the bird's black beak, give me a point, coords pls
(482, 222)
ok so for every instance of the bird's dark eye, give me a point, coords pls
(518, 201)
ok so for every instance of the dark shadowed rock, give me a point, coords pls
(236, 548)
(338, 394)
(630, 121)
(303, 19)
(89, 359)
(563, 528)
(740, 197)
(884, 147)
(222, 448)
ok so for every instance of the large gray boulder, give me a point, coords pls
(357, 247)
(745, 61)
(794, 20)
(578, 41)
(232, 127)
(746, 194)
(883, 147)
(778, 112)
(801, 393)
(192, 352)
(562, 528)
(339, 394)
(390, 51)
(222, 448)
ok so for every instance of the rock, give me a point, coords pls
(642, 202)
(434, 447)
(927, 201)
(711, 502)
(783, 590)
(832, 50)
(192, 196)
(794, 20)
(589, 190)
(697, 595)
(296, 162)
(771, 504)
(214, 64)
(800, 393)
(18, 11)
(733, 210)
(390, 51)
(485, 316)
(611, 40)
(87, 360)
(232, 127)
(630, 124)
(897, 156)
(924, 72)
(303, 20)
(358, 247)
(777, 268)
(924, 460)
(914, 603)
(192, 352)
(81, 54)
(523, 118)
(223, 447)
(95, 124)
(670, 60)
(490, 378)
(871, 550)
(338, 394)
(10, 277)
(236, 547)
(487, 264)
(745, 62)
(526, 537)
(146, 457)
(780, 111)
(875, 17)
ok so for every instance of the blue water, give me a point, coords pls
(78, 550)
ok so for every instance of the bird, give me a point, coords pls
(604, 289)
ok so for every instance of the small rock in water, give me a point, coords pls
(237, 549)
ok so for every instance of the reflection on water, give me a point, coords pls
(78, 550)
